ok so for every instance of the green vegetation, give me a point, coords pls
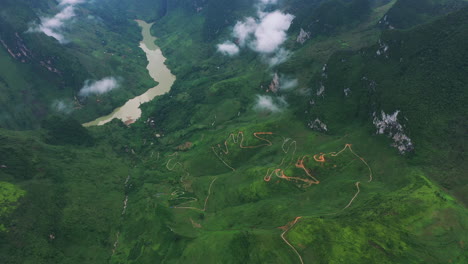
(392, 80)
(69, 200)
(66, 131)
(9, 195)
(204, 177)
(30, 92)
(406, 14)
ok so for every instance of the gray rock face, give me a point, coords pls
(388, 125)
(386, 23)
(347, 92)
(20, 52)
(303, 36)
(383, 49)
(318, 125)
(324, 71)
(275, 84)
(321, 90)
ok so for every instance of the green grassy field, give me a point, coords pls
(398, 216)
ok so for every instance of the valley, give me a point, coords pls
(323, 131)
(130, 111)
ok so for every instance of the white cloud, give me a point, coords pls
(277, 58)
(71, 2)
(266, 2)
(243, 30)
(288, 83)
(52, 26)
(99, 87)
(265, 33)
(271, 31)
(228, 48)
(268, 103)
(62, 106)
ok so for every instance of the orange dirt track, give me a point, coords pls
(317, 158)
(235, 139)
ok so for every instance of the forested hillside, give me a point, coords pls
(40, 76)
(324, 131)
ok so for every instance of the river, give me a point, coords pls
(131, 111)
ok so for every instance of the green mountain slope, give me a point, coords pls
(41, 77)
(423, 63)
(70, 200)
(405, 14)
(206, 177)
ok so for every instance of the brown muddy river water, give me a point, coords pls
(131, 111)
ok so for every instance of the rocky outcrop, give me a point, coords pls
(383, 49)
(384, 21)
(347, 91)
(318, 125)
(324, 71)
(20, 52)
(303, 36)
(321, 90)
(275, 84)
(388, 124)
(184, 147)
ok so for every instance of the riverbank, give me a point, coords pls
(130, 111)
